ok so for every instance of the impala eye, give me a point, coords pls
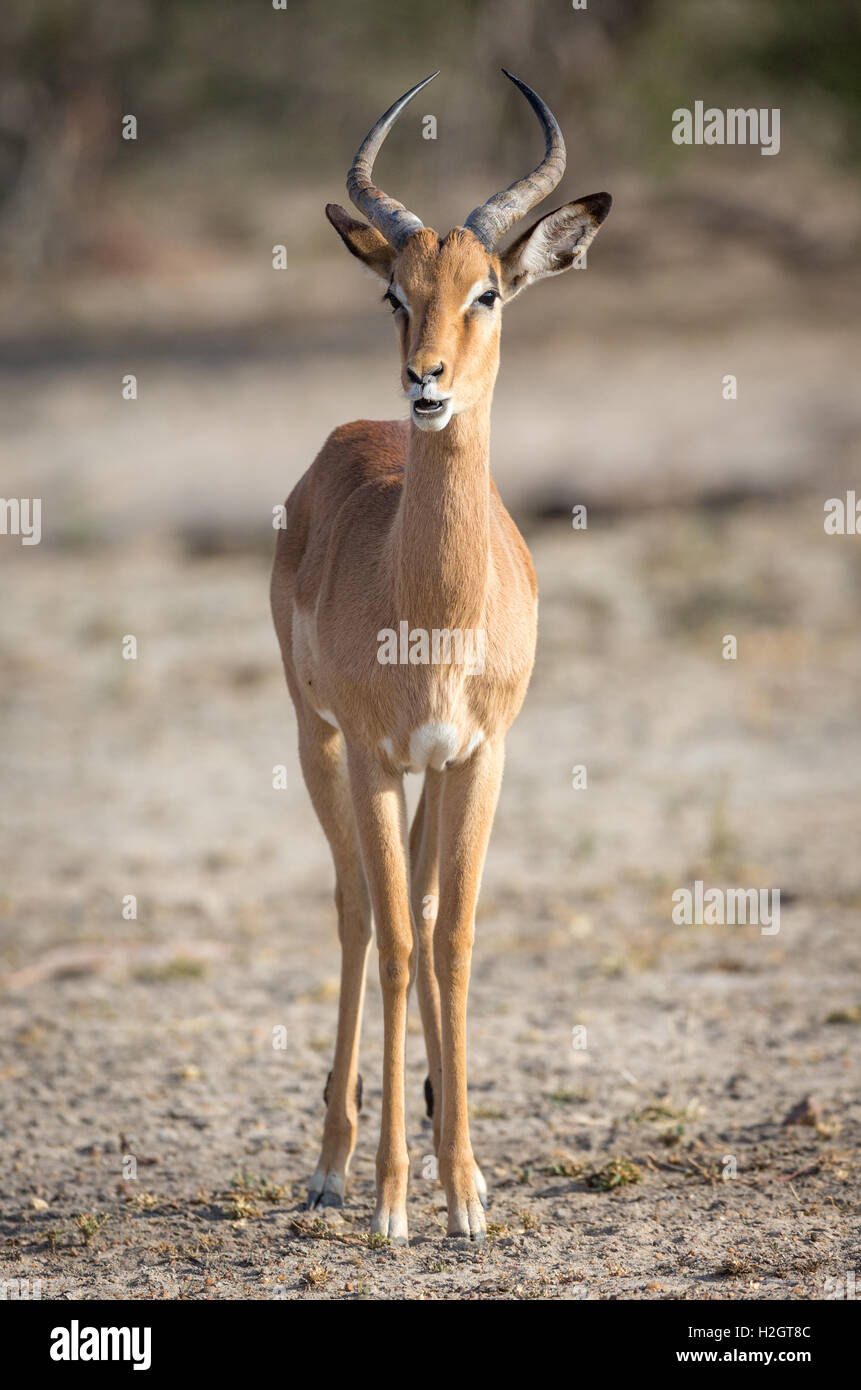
(389, 298)
(488, 299)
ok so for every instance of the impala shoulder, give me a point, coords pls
(386, 438)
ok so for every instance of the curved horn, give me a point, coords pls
(388, 216)
(493, 219)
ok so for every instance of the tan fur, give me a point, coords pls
(393, 522)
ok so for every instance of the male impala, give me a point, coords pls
(400, 522)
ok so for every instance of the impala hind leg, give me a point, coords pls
(324, 769)
(470, 793)
(381, 817)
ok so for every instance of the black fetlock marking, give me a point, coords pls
(429, 1097)
(358, 1090)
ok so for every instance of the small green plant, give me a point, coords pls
(89, 1225)
(660, 1111)
(564, 1167)
(264, 1189)
(850, 1015)
(619, 1172)
(672, 1136)
(180, 968)
(273, 1191)
(241, 1207)
(143, 1201)
(735, 1265)
(562, 1096)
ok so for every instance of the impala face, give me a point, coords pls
(447, 293)
(446, 300)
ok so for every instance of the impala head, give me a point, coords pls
(447, 293)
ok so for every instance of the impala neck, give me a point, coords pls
(442, 534)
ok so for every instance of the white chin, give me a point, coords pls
(437, 421)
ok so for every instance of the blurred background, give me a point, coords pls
(153, 778)
(154, 256)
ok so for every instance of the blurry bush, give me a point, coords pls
(257, 80)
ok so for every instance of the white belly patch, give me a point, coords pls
(435, 744)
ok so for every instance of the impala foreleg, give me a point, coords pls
(469, 801)
(424, 897)
(324, 769)
(380, 810)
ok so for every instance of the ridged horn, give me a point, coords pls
(494, 218)
(386, 214)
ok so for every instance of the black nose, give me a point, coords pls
(432, 371)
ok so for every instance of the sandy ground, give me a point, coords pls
(152, 1039)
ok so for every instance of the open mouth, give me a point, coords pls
(431, 412)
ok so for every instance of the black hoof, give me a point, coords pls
(429, 1097)
(323, 1199)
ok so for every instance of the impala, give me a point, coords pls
(400, 522)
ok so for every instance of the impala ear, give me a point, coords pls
(552, 244)
(366, 243)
